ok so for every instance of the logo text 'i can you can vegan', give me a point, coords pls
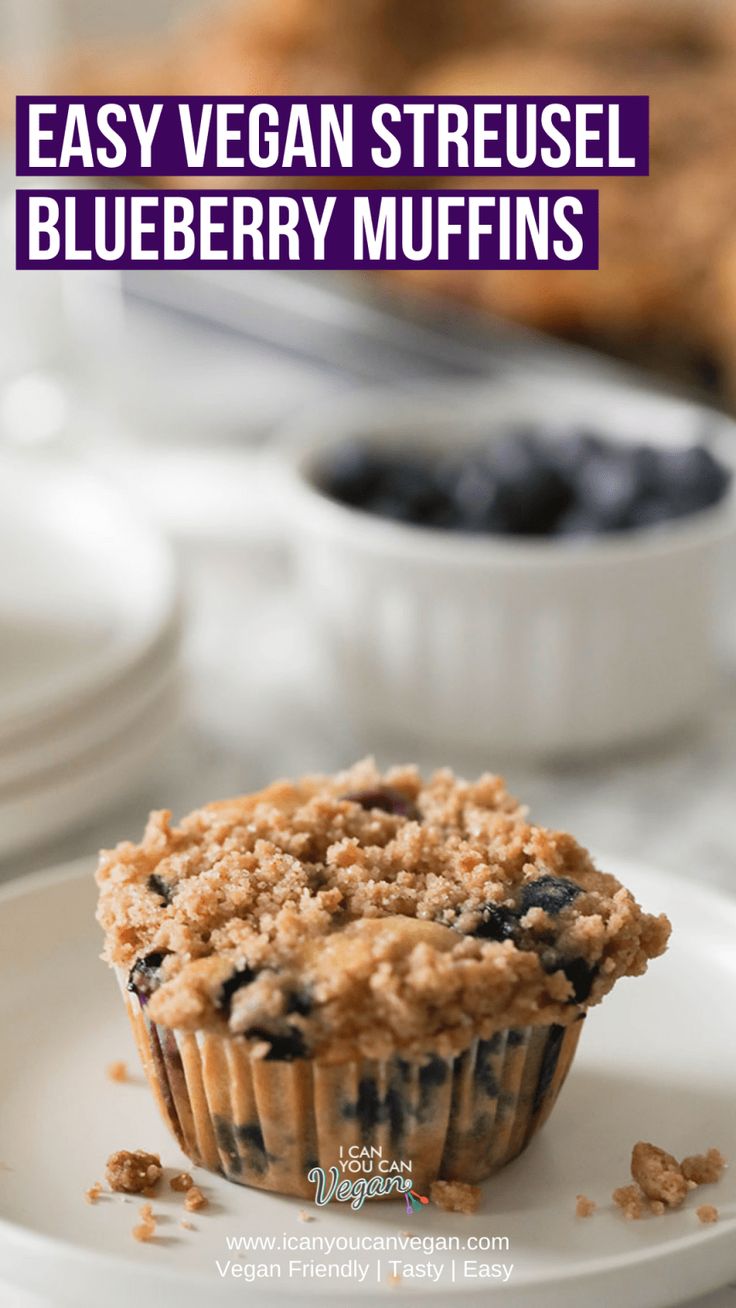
(362, 1172)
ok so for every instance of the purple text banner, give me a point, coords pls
(169, 136)
(307, 229)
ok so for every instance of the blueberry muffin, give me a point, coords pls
(362, 959)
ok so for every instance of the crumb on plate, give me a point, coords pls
(706, 1213)
(132, 1171)
(584, 1207)
(186, 1226)
(455, 1196)
(660, 1182)
(304, 1216)
(704, 1169)
(194, 1199)
(631, 1201)
(658, 1174)
(117, 1071)
(146, 1229)
(181, 1182)
(93, 1194)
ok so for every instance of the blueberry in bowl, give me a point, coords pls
(529, 483)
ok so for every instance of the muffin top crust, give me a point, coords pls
(365, 914)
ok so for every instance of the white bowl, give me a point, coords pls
(533, 647)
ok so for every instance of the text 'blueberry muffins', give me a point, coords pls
(365, 960)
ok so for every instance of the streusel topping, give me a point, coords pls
(365, 913)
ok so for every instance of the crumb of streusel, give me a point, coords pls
(117, 1071)
(373, 893)
(146, 1229)
(455, 1196)
(658, 1174)
(304, 1216)
(584, 1207)
(707, 1213)
(93, 1194)
(186, 1226)
(181, 1182)
(704, 1169)
(394, 1278)
(660, 1182)
(132, 1171)
(194, 1199)
(631, 1201)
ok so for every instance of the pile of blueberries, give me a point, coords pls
(528, 483)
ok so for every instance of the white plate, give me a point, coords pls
(66, 715)
(64, 797)
(37, 757)
(658, 1061)
(85, 590)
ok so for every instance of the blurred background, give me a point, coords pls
(182, 616)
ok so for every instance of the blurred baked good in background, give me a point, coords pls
(296, 47)
(652, 299)
(665, 293)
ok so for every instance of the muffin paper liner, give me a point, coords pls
(267, 1122)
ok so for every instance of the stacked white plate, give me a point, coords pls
(89, 646)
